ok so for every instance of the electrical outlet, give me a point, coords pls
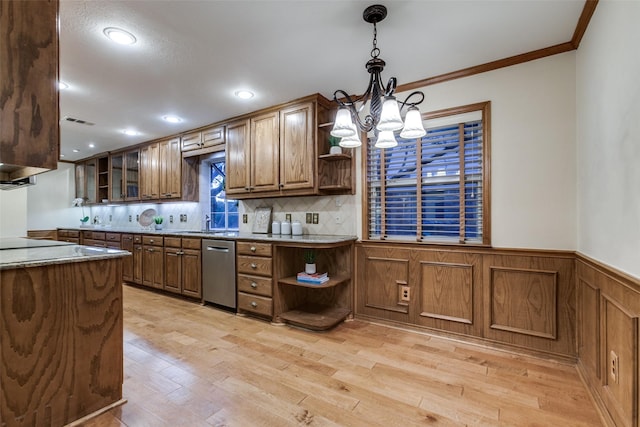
(338, 218)
(137, 218)
(287, 217)
(315, 218)
(404, 293)
(614, 367)
(245, 218)
(170, 219)
(129, 218)
(110, 218)
(309, 218)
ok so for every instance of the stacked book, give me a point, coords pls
(313, 279)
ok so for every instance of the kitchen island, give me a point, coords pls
(61, 357)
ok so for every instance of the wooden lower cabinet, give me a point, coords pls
(254, 262)
(152, 262)
(525, 299)
(71, 236)
(126, 243)
(183, 266)
(137, 259)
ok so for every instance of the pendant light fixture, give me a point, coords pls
(384, 116)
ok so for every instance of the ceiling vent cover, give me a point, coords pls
(79, 121)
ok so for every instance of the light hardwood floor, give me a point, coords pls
(189, 365)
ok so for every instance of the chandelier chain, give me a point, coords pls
(375, 52)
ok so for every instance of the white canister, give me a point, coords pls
(275, 227)
(285, 227)
(296, 228)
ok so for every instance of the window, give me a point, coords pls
(224, 212)
(435, 188)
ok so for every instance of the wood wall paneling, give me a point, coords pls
(523, 301)
(620, 359)
(446, 291)
(588, 320)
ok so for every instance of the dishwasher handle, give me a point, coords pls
(217, 249)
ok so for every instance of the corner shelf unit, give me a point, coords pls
(316, 307)
(336, 172)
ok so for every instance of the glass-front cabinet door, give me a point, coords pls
(81, 184)
(132, 175)
(90, 168)
(117, 175)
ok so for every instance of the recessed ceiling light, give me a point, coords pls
(130, 132)
(244, 94)
(119, 35)
(62, 85)
(92, 145)
(75, 150)
(172, 119)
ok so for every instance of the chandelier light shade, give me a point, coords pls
(352, 141)
(384, 109)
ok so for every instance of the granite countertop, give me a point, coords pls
(19, 253)
(231, 235)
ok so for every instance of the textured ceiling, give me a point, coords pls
(191, 56)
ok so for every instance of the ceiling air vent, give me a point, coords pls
(79, 121)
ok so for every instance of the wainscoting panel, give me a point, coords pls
(382, 275)
(523, 301)
(609, 313)
(446, 291)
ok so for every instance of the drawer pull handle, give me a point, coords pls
(254, 265)
(151, 241)
(254, 285)
(253, 248)
(254, 304)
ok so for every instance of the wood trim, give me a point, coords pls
(583, 22)
(625, 279)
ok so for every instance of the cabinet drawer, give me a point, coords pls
(254, 265)
(255, 304)
(137, 238)
(113, 237)
(69, 233)
(99, 235)
(255, 285)
(152, 240)
(191, 243)
(91, 242)
(253, 248)
(172, 242)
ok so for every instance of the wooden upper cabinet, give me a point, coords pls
(29, 135)
(149, 179)
(191, 141)
(237, 153)
(169, 169)
(132, 175)
(116, 176)
(297, 142)
(264, 153)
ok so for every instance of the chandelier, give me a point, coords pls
(384, 116)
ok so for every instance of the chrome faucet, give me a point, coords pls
(207, 223)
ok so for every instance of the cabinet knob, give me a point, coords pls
(254, 304)
(253, 249)
(254, 265)
(152, 241)
(254, 285)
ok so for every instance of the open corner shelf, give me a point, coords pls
(315, 317)
(333, 281)
(334, 157)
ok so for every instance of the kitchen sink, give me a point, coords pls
(214, 233)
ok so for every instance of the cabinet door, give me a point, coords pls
(170, 169)
(191, 273)
(149, 158)
(297, 148)
(90, 173)
(237, 157)
(172, 269)
(132, 175)
(137, 264)
(152, 267)
(116, 193)
(264, 163)
(126, 243)
(81, 181)
(191, 141)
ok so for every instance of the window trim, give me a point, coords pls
(485, 108)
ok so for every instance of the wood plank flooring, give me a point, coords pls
(189, 365)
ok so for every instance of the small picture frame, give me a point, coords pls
(262, 221)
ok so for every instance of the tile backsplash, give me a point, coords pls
(337, 214)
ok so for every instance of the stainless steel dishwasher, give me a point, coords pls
(219, 272)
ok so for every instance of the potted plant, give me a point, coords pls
(79, 202)
(158, 220)
(334, 142)
(309, 261)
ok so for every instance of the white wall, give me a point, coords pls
(533, 143)
(49, 201)
(13, 212)
(608, 129)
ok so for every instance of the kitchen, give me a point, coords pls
(558, 201)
